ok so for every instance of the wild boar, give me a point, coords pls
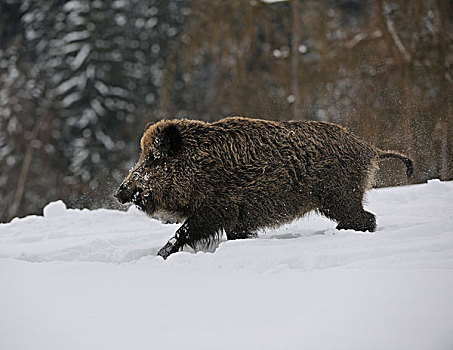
(239, 175)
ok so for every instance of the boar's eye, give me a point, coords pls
(153, 160)
(150, 158)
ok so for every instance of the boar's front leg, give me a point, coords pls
(194, 230)
(175, 243)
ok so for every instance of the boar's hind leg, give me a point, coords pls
(193, 230)
(349, 214)
(239, 226)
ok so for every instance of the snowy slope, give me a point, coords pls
(80, 279)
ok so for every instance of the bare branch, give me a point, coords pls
(361, 37)
(396, 40)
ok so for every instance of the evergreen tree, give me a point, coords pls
(91, 75)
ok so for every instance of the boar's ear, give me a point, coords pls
(170, 140)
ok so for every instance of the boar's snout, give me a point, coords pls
(125, 193)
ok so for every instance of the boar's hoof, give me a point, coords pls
(172, 246)
(366, 223)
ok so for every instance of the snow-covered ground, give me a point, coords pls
(81, 279)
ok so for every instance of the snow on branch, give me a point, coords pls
(81, 57)
(397, 41)
(361, 37)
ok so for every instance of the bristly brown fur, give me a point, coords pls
(240, 175)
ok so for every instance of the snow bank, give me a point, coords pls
(54, 209)
(86, 279)
(414, 231)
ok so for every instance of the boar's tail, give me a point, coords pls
(393, 154)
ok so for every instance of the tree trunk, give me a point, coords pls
(295, 41)
(14, 208)
(443, 171)
(404, 59)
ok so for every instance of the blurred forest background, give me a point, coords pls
(79, 79)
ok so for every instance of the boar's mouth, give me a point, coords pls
(144, 201)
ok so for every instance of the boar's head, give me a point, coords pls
(158, 181)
